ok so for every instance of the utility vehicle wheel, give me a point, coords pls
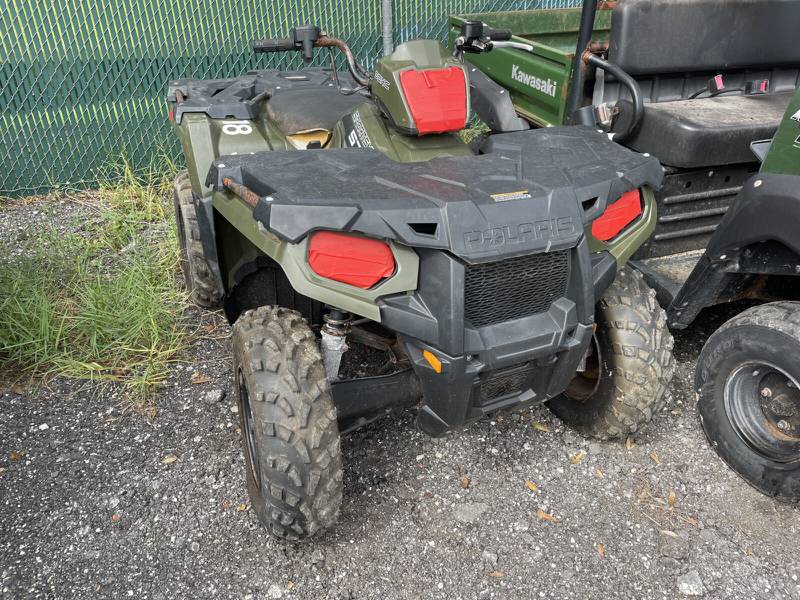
(200, 283)
(748, 381)
(628, 368)
(288, 422)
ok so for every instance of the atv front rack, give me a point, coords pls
(528, 191)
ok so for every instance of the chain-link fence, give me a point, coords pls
(82, 82)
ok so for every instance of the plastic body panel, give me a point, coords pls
(549, 345)
(354, 260)
(757, 236)
(531, 191)
(784, 153)
(436, 98)
(387, 89)
(294, 262)
(366, 127)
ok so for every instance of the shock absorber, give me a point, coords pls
(334, 341)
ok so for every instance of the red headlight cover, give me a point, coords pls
(437, 98)
(617, 216)
(351, 259)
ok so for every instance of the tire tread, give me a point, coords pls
(641, 365)
(300, 443)
(200, 282)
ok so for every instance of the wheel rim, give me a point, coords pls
(248, 431)
(585, 383)
(763, 406)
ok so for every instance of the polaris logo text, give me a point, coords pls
(546, 86)
(516, 234)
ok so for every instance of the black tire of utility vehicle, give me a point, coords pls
(629, 370)
(756, 350)
(288, 421)
(200, 282)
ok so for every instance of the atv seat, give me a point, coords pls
(674, 47)
(709, 131)
(303, 110)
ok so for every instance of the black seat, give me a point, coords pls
(673, 47)
(299, 110)
(708, 131)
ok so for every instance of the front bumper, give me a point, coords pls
(536, 361)
(524, 360)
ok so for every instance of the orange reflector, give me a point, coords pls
(434, 362)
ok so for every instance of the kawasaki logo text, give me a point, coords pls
(546, 86)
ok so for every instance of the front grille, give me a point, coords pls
(514, 287)
(510, 380)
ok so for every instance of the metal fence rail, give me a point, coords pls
(82, 82)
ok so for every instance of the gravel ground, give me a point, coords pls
(99, 502)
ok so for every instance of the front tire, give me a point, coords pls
(203, 288)
(288, 421)
(629, 367)
(747, 381)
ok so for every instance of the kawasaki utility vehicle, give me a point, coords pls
(709, 88)
(370, 259)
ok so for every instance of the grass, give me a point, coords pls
(474, 129)
(100, 303)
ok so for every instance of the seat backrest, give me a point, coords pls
(650, 37)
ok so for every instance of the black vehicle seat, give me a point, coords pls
(672, 47)
(710, 131)
(302, 110)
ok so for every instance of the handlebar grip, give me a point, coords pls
(273, 45)
(498, 35)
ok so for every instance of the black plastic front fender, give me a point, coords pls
(759, 235)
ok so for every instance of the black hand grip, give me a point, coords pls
(273, 45)
(498, 35)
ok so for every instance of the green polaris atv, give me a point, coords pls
(369, 259)
(710, 87)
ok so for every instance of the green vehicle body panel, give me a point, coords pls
(293, 260)
(416, 54)
(538, 81)
(784, 154)
(629, 240)
(203, 141)
(399, 147)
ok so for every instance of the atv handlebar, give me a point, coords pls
(304, 39)
(273, 45)
(477, 37)
(498, 35)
